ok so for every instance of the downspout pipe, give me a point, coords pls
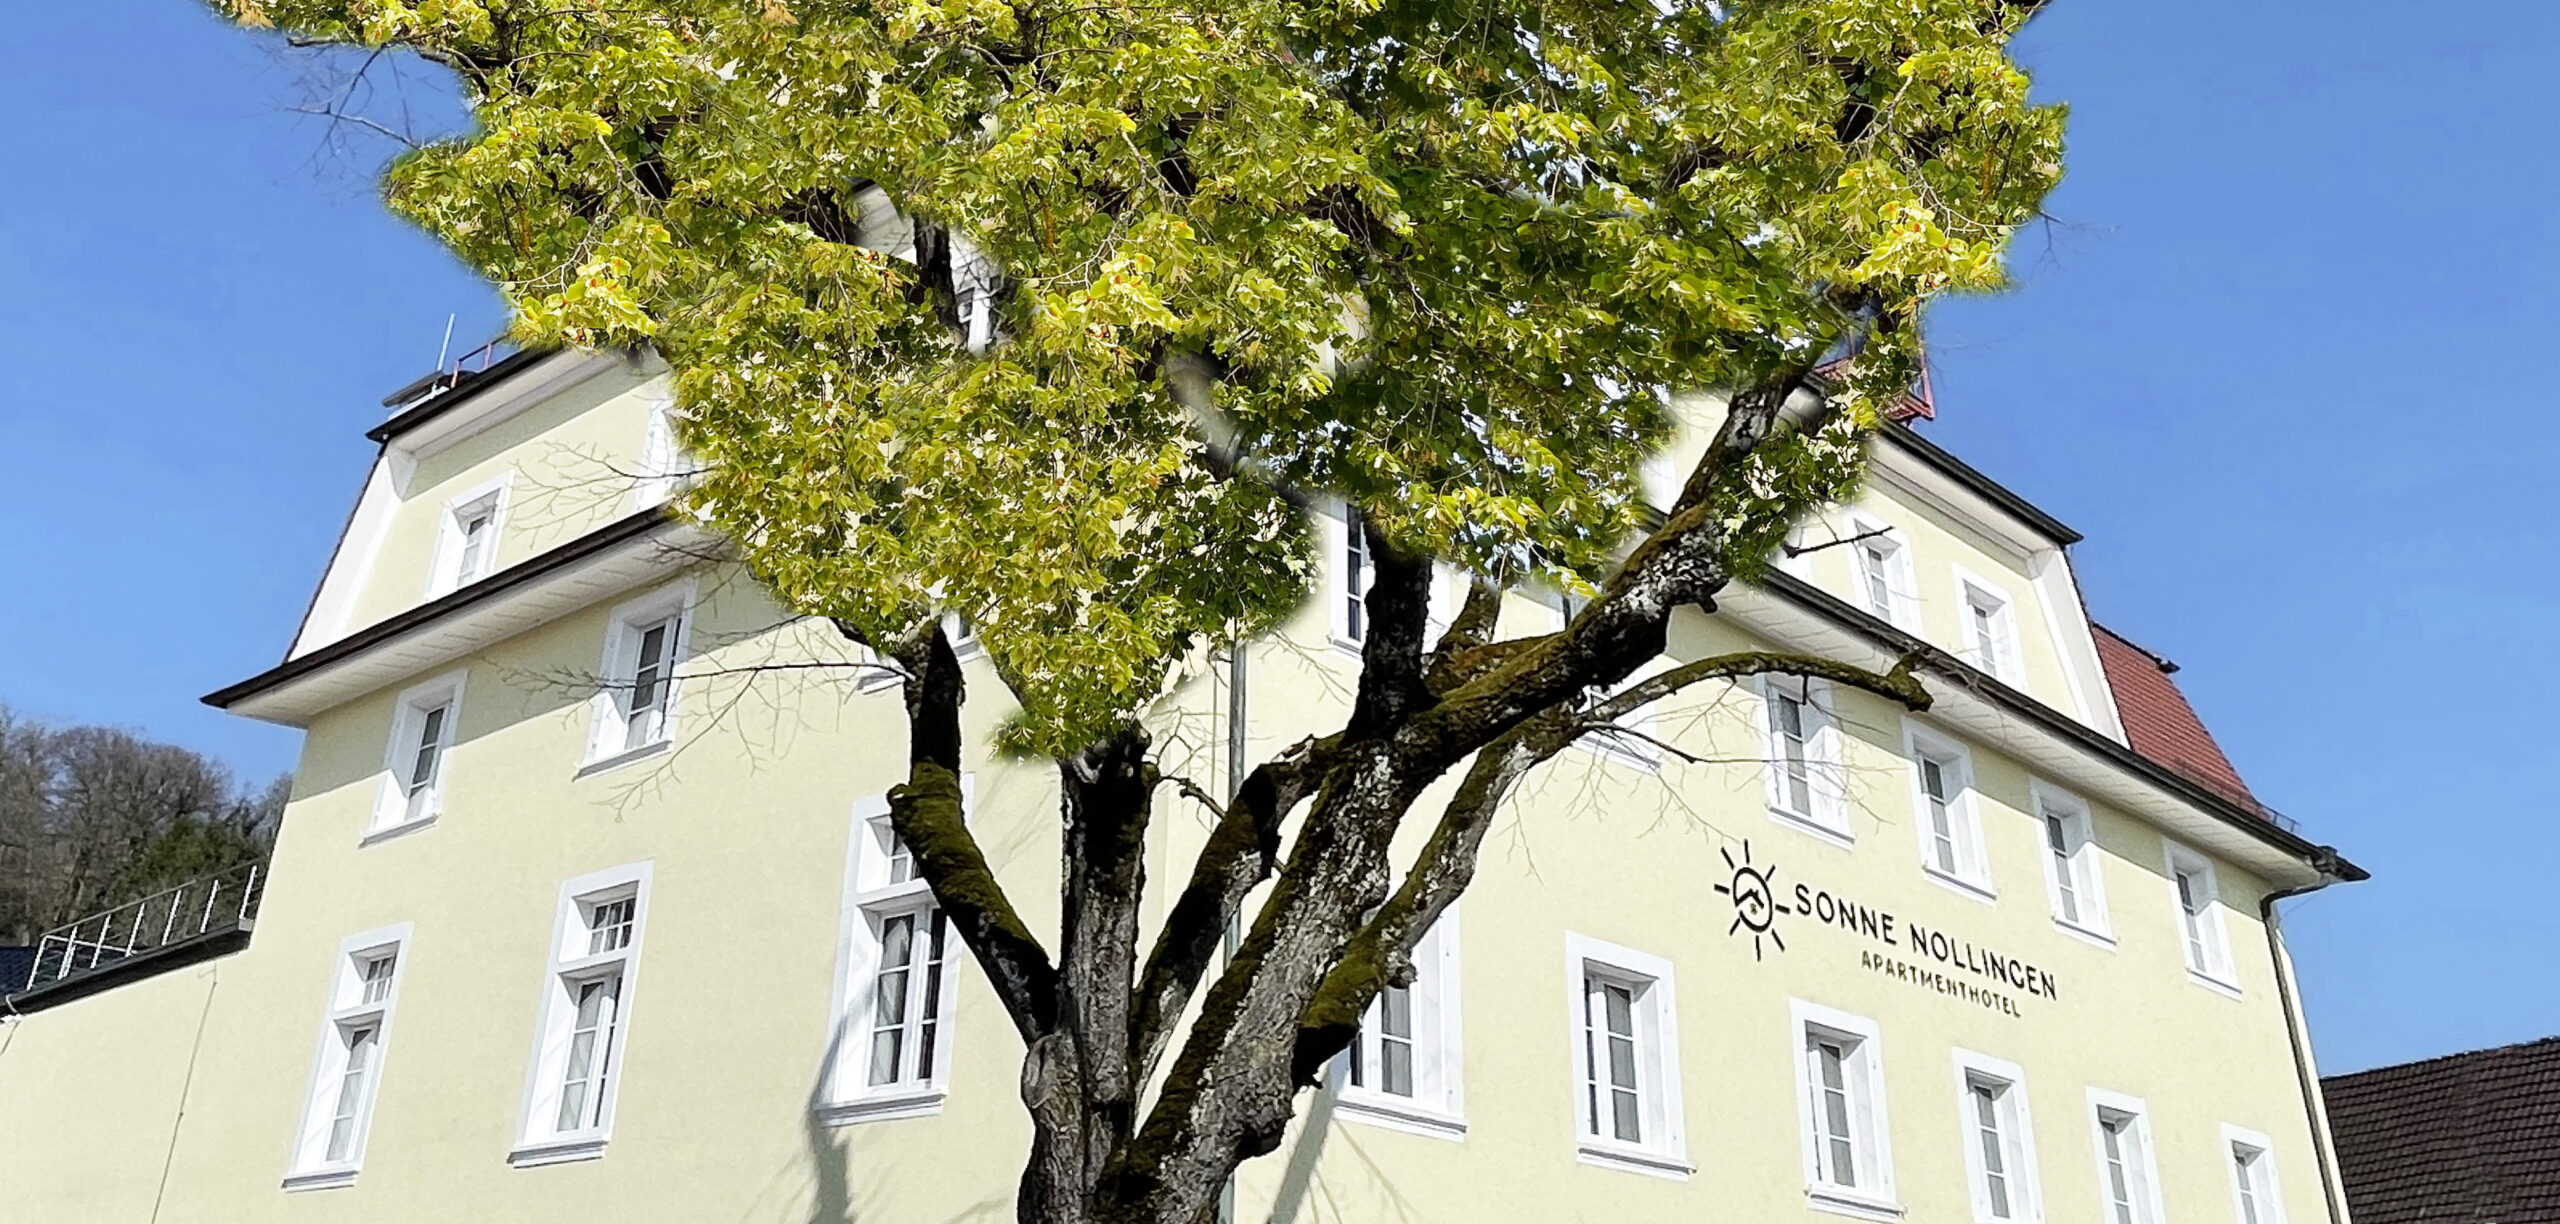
(2326, 863)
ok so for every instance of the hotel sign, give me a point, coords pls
(1924, 956)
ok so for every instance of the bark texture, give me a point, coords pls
(1148, 1079)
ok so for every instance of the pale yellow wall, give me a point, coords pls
(573, 459)
(90, 1094)
(747, 825)
(1939, 545)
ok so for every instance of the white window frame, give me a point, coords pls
(1348, 570)
(2251, 1158)
(1974, 592)
(2207, 947)
(1902, 586)
(608, 738)
(873, 896)
(540, 1139)
(1871, 1196)
(2082, 865)
(309, 1165)
(663, 466)
(1437, 1105)
(1972, 873)
(2017, 1134)
(2141, 1166)
(1663, 1127)
(1826, 812)
(447, 574)
(394, 811)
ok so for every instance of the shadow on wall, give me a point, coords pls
(1299, 1181)
(831, 1157)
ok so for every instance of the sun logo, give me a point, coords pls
(1755, 900)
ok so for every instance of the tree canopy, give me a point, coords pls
(1055, 315)
(1438, 257)
(93, 817)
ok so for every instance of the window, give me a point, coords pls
(1999, 1150)
(1950, 825)
(586, 1017)
(1881, 564)
(635, 709)
(2071, 876)
(422, 734)
(1840, 1081)
(2199, 905)
(1350, 573)
(1806, 780)
(1626, 1059)
(2128, 1185)
(467, 539)
(1402, 1070)
(897, 982)
(1990, 628)
(2253, 1177)
(347, 1073)
(663, 466)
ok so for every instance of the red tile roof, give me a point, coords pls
(2158, 722)
(2465, 1139)
(1920, 402)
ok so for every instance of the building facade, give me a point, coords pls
(584, 908)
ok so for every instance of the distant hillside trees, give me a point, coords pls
(92, 817)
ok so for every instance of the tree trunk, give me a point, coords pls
(1078, 1079)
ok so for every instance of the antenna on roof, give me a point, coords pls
(447, 345)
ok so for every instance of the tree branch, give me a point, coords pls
(927, 814)
(1242, 851)
(1380, 954)
(1399, 607)
(1899, 684)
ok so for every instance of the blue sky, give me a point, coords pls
(2268, 357)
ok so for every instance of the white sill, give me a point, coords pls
(1633, 1160)
(2087, 934)
(1391, 1113)
(1349, 646)
(1811, 827)
(320, 1179)
(1851, 1203)
(2214, 984)
(376, 837)
(556, 1151)
(1956, 883)
(918, 1104)
(624, 757)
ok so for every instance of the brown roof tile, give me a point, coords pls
(2465, 1139)
(2158, 722)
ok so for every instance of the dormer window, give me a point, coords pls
(1880, 560)
(1990, 627)
(467, 541)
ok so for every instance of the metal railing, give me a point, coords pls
(451, 374)
(224, 901)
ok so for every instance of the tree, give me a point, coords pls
(1053, 315)
(93, 817)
